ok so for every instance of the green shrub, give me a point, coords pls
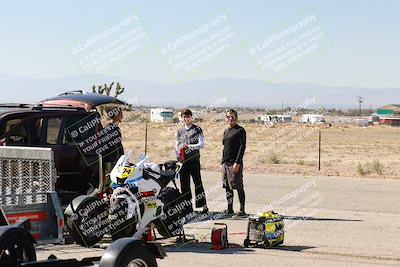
(360, 169)
(377, 167)
(274, 158)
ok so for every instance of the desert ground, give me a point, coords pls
(291, 149)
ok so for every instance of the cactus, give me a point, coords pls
(107, 89)
(119, 90)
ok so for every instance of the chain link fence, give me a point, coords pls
(291, 148)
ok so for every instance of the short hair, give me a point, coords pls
(112, 113)
(186, 112)
(232, 111)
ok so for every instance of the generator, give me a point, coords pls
(265, 229)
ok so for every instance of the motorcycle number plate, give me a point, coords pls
(125, 172)
(151, 205)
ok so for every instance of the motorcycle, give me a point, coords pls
(140, 198)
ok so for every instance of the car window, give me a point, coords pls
(53, 129)
(37, 125)
(17, 132)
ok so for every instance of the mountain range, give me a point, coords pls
(238, 92)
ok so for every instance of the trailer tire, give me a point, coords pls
(16, 246)
(125, 252)
(139, 256)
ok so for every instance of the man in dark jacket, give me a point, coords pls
(189, 141)
(232, 161)
(114, 143)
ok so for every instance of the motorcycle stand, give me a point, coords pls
(182, 238)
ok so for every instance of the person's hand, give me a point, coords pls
(182, 146)
(235, 168)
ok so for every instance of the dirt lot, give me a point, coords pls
(346, 150)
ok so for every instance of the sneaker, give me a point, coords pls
(229, 212)
(241, 214)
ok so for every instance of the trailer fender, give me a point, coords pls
(125, 250)
(6, 231)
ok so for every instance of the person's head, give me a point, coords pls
(231, 117)
(187, 117)
(115, 115)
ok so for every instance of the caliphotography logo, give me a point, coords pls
(112, 44)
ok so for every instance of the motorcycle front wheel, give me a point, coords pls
(120, 226)
(86, 220)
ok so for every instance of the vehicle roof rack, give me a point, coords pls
(74, 92)
(15, 105)
(55, 107)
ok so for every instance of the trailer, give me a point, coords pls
(30, 214)
(17, 248)
(161, 115)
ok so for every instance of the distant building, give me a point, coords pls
(312, 118)
(362, 122)
(161, 115)
(284, 118)
(389, 115)
(273, 119)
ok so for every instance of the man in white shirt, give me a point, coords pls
(189, 141)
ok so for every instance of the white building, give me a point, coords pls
(312, 118)
(273, 119)
(161, 115)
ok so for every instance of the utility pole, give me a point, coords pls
(360, 101)
(282, 108)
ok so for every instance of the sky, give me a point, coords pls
(360, 47)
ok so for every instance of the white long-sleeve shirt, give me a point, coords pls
(183, 139)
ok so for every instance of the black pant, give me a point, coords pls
(192, 168)
(229, 198)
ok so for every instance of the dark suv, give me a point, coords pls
(49, 124)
